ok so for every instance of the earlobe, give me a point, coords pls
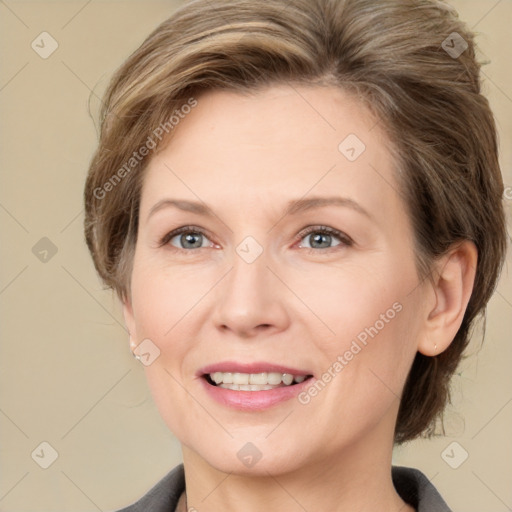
(452, 286)
(129, 321)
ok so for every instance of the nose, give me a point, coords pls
(251, 300)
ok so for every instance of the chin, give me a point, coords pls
(251, 458)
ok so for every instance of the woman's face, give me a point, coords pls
(253, 285)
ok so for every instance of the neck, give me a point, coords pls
(357, 478)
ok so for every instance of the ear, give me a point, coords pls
(452, 284)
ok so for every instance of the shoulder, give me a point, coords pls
(417, 490)
(162, 497)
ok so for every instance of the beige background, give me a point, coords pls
(67, 375)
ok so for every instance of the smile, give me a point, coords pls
(254, 386)
(253, 381)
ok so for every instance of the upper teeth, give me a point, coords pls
(262, 379)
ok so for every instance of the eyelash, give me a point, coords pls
(345, 240)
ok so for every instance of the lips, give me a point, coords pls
(252, 386)
(221, 383)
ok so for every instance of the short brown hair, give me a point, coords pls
(411, 61)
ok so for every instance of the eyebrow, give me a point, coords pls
(293, 207)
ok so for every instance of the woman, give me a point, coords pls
(299, 206)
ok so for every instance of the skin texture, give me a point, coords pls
(298, 304)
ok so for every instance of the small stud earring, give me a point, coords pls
(133, 346)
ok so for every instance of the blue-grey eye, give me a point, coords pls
(189, 240)
(321, 239)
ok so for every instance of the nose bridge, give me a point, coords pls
(248, 284)
(250, 295)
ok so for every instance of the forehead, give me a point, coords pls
(279, 143)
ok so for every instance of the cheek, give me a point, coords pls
(373, 318)
(162, 305)
(358, 301)
(163, 298)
